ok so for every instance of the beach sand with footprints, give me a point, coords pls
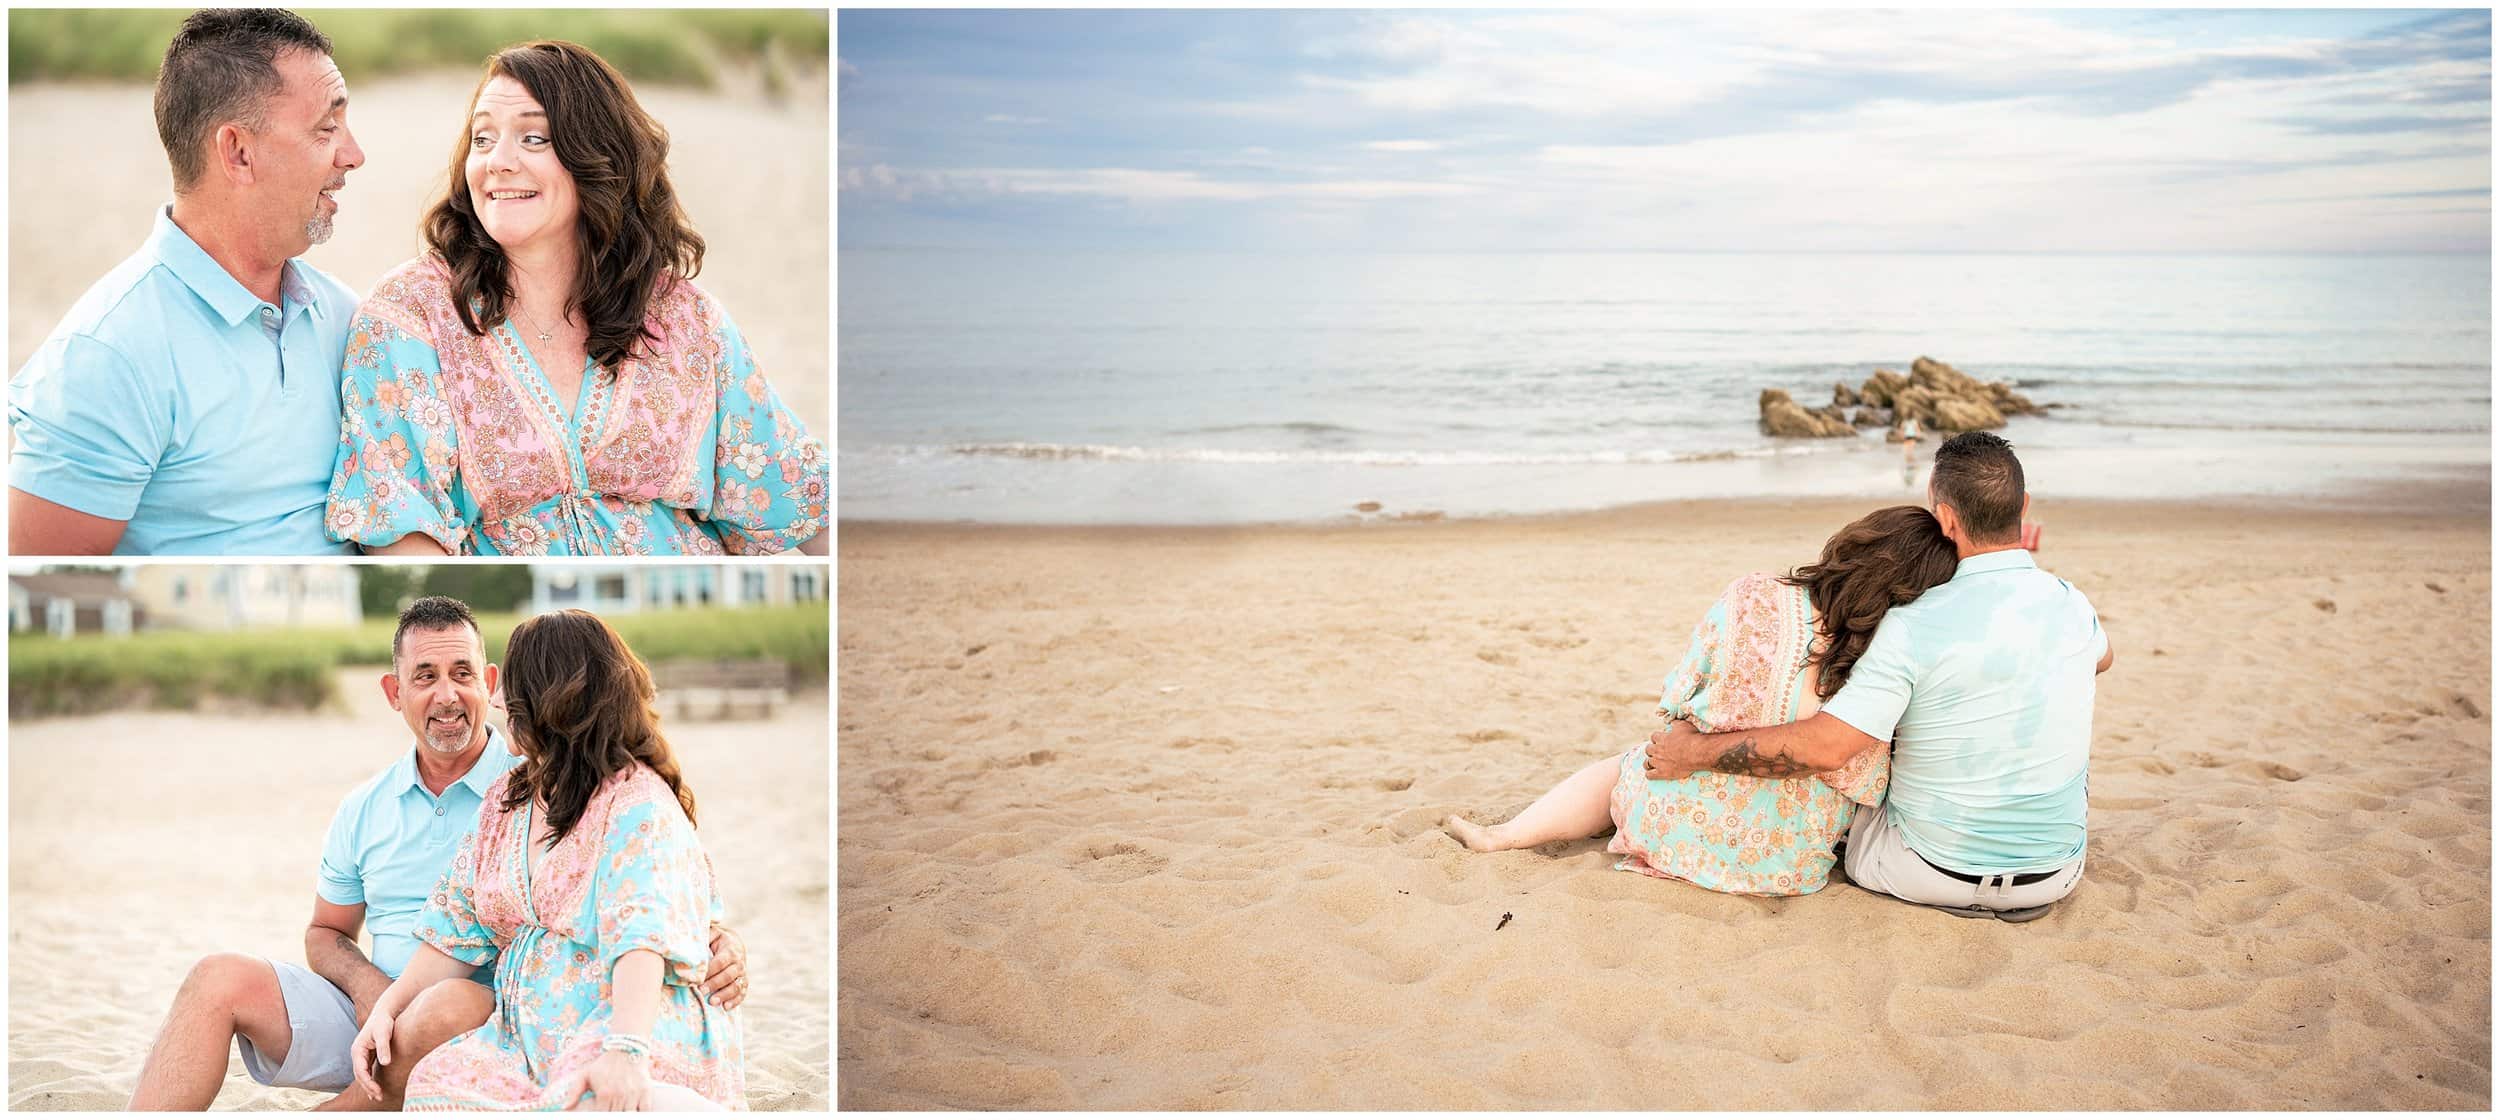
(1146, 818)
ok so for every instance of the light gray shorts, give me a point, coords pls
(1880, 861)
(325, 1032)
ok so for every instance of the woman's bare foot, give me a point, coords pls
(1477, 837)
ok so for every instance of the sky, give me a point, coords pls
(1717, 131)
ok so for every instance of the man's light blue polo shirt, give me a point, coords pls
(1984, 685)
(391, 842)
(173, 398)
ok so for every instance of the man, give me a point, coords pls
(1984, 685)
(189, 401)
(390, 843)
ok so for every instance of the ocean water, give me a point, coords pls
(1180, 387)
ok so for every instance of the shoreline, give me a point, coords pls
(2442, 473)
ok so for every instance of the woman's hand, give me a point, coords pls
(617, 1082)
(371, 1042)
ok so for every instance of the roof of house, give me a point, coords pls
(80, 587)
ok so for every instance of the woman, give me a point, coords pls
(586, 891)
(1768, 652)
(546, 379)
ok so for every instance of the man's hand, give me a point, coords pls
(725, 983)
(1676, 752)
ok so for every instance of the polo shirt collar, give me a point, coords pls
(404, 776)
(2005, 560)
(201, 273)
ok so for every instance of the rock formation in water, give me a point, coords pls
(1783, 416)
(1939, 397)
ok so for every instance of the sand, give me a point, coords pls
(1146, 818)
(140, 842)
(753, 173)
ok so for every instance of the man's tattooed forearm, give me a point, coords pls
(1743, 759)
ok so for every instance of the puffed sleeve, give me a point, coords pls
(1866, 777)
(654, 888)
(449, 921)
(772, 481)
(398, 460)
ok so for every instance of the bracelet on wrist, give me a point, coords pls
(633, 1044)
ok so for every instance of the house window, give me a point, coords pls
(611, 589)
(803, 587)
(752, 586)
(182, 590)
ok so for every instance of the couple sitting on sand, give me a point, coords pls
(544, 917)
(544, 379)
(1954, 683)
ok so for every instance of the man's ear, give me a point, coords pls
(230, 150)
(1950, 521)
(390, 689)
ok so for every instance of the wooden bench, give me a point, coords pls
(721, 688)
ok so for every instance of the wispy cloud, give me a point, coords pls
(1848, 129)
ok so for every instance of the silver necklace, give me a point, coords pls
(544, 336)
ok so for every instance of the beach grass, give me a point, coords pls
(296, 668)
(668, 46)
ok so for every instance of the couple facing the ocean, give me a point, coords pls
(544, 379)
(546, 926)
(1915, 706)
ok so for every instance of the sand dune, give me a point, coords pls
(139, 842)
(754, 175)
(1145, 818)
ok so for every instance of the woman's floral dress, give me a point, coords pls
(1747, 666)
(462, 438)
(630, 875)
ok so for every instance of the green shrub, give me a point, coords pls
(297, 669)
(674, 47)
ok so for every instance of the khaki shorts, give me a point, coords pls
(1879, 861)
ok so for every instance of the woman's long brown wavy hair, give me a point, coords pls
(631, 236)
(580, 707)
(1870, 566)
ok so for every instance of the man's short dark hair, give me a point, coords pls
(221, 67)
(434, 612)
(1977, 474)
